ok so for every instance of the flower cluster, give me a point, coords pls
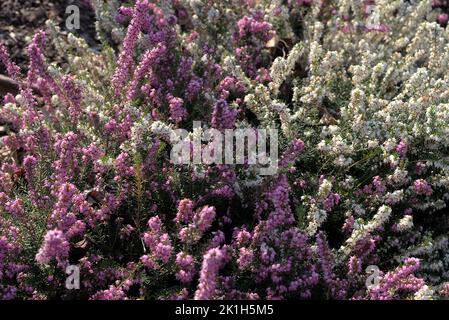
(359, 98)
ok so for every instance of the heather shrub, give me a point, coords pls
(358, 91)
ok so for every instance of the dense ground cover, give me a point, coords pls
(358, 91)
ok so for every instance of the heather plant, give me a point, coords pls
(358, 91)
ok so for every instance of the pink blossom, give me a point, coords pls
(55, 246)
(421, 187)
(213, 261)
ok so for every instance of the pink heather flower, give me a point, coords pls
(367, 190)
(38, 67)
(29, 162)
(251, 36)
(150, 239)
(14, 72)
(55, 246)
(242, 237)
(336, 286)
(443, 19)
(177, 111)
(401, 279)
(184, 276)
(225, 192)
(91, 153)
(213, 261)
(281, 215)
(184, 260)
(421, 187)
(67, 163)
(150, 58)
(193, 89)
(68, 198)
(9, 251)
(202, 221)
(155, 224)
(123, 165)
(420, 168)
(3, 198)
(126, 231)
(9, 98)
(187, 265)
(263, 76)
(113, 293)
(438, 3)
(125, 61)
(185, 234)
(158, 242)
(402, 148)
(378, 185)
(349, 224)
(230, 85)
(249, 25)
(77, 229)
(332, 200)
(12, 69)
(217, 240)
(111, 126)
(185, 211)
(294, 150)
(223, 117)
(15, 207)
(347, 28)
(204, 218)
(305, 3)
(245, 258)
(163, 249)
(148, 262)
(354, 265)
(74, 95)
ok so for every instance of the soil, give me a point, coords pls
(20, 19)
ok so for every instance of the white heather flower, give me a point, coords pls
(329, 131)
(158, 127)
(20, 99)
(382, 216)
(394, 197)
(339, 146)
(390, 144)
(425, 293)
(325, 188)
(323, 146)
(373, 144)
(282, 68)
(316, 217)
(358, 210)
(213, 15)
(55, 100)
(406, 223)
(399, 177)
(161, 128)
(342, 161)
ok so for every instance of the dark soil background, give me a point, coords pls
(20, 19)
